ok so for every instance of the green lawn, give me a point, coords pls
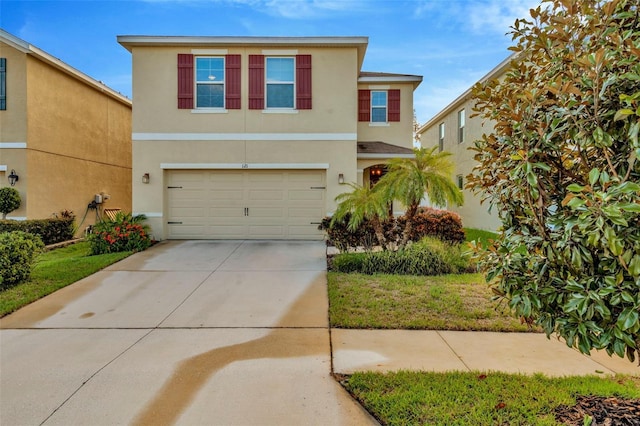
(450, 302)
(55, 269)
(474, 399)
(446, 302)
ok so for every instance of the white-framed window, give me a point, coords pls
(280, 81)
(461, 120)
(209, 82)
(378, 106)
(441, 137)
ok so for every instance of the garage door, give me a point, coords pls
(243, 204)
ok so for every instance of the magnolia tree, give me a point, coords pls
(561, 168)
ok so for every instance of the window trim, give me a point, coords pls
(461, 125)
(223, 83)
(292, 84)
(441, 133)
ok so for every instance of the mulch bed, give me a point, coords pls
(605, 411)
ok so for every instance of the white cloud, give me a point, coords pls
(498, 15)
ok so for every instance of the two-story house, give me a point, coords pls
(455, 129)
(64, 137)
(254, 137)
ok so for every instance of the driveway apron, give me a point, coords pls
(187, 332)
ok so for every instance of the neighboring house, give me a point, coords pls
(65, 135)
(455, 131)
(254, 137)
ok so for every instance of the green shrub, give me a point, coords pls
(50, 231)
(430, 256)
(9, 200)
(442, 224)
(348, 262)
(18, 250)
(125, 233)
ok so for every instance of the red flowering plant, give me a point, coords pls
(124, 233)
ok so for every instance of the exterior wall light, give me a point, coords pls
(13, 177)
(341, 178)
(145, 178)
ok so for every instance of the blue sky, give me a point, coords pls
(451, 43)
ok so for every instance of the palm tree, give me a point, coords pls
(363, 202)
(409, 179)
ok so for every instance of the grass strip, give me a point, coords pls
(474, 398)
(53, 270)
(446, 302)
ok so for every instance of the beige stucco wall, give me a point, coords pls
(155, 96)
(79, 144)
(78, 140)
(397, 133)
(13, 123)
(473, 213)
(334, 80)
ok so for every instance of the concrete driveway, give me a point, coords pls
(187, 332)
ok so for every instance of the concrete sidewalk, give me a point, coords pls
(225, 333)
(526, 353)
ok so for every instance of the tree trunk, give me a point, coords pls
(377, 227)
(408, 226)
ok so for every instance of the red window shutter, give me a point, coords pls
(303, 81)
(364, 105)
(393, 98)
(185, 81)
(256, 81)
(232, 82)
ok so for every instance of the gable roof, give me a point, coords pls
(359, 42)
(29, 49)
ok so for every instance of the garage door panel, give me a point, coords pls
(267, 212)
(266, 194)
(226, 194)
(302, 195)
(192, 212)
(233, 212)
(245, 204)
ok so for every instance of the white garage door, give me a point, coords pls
(243, 204)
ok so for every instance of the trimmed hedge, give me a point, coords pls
(441, 224)
(429, 256)
(50, 231)
(18, 251)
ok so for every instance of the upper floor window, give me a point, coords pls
(379, 106)
(441, 137)
(210, 91)
(461, 126)
(460, 181)
(280, 82)
(3, 83)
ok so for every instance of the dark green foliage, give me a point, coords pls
(125, 233)
(9, 200)
(427, 257)
(442, 224)
(561, 169)
(17, 252)
(50, 231)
